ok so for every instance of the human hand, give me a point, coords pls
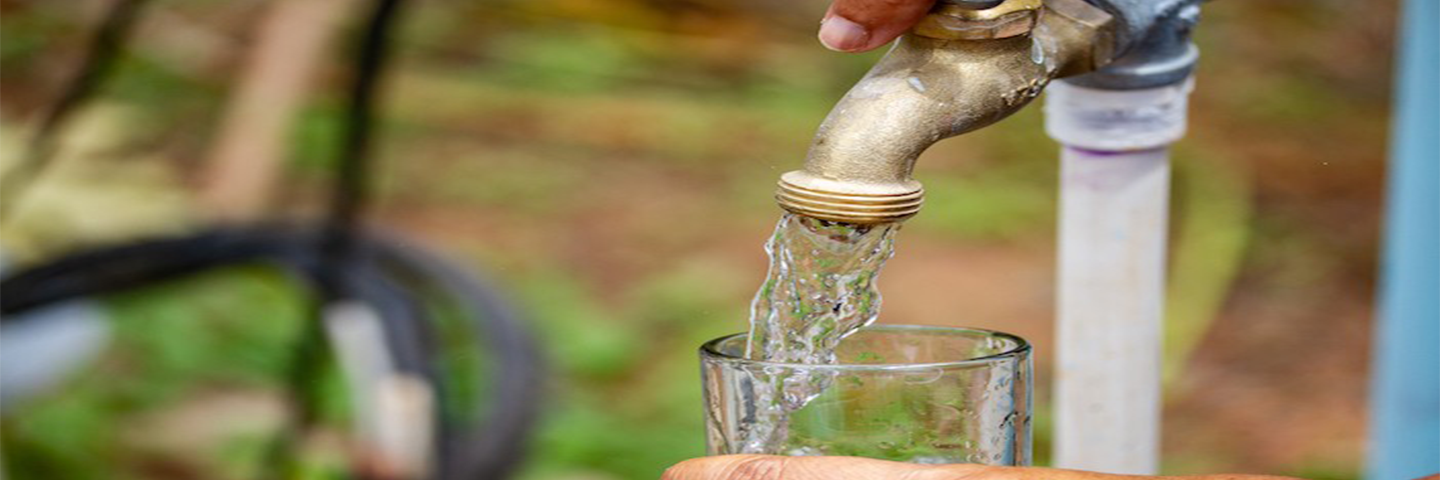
(860, 25)
(767, 467)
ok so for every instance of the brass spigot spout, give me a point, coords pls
(957, 71)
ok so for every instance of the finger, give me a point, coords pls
(769, 467)
(860, 25)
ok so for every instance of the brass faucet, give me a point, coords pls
(964, 66)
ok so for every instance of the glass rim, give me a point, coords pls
(1022, 347)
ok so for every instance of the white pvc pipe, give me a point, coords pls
(1111, 299)
(1114, 192)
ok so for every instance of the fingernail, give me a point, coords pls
(842, 35)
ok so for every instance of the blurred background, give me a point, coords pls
(611, 164)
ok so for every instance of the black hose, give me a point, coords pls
(339, 262)
(351, 189)
(340, 242)
(122, 267)
(393, 280)
(119, 268)
(492, 452)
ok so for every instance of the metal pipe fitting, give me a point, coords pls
(1152, 44)
(960, 69)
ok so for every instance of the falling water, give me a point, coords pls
(820, 289)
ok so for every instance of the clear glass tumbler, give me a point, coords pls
(897, 392)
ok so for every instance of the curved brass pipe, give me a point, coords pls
(926, 89)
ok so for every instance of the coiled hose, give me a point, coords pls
(340, 261)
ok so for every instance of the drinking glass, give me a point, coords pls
(896, 392)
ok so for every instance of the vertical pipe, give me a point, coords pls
(1405, 391)
(1112, 281)
(1114, 196)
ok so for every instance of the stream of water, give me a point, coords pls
(820, 289)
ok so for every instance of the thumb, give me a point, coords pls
(769, 467)
(860, 25)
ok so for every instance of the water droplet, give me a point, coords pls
(916, 84)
